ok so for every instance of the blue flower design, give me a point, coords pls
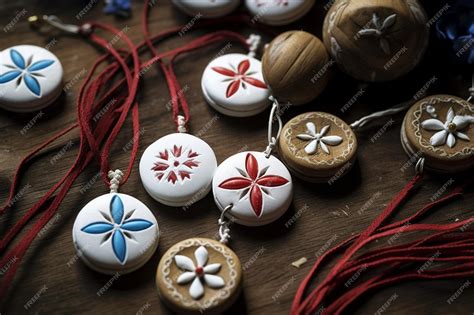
(25, 71)
(118, 227)
(456, 28)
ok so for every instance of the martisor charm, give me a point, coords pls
(278, 12)
(440, 129)
(318, 146)
(30, 78)
(233, 85)
(206, 8)
(115, 233)
(199, 276)
(255, 189)
(177, 169)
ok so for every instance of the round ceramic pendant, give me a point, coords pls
(440, 129)
(177, 169)
(233, 85)
(30, 78)
(376, 40)
(318, 147)
(278, 12)
(198, 276)
(115, 233)
(206, 8)
(296, 67)
(259, 189)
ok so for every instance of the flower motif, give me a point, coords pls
(239, 77)
(448, 131)
(118, 227)
(318, 139)
(173, 165)
(199, 274)
(254, 182)
(25, 71)
(380, 30)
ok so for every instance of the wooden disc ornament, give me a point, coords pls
(376, 40)
(199, 276)
(296, 67)
(440, 129)
(318, 146)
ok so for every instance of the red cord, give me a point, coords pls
(386, 260)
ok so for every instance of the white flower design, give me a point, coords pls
(199, 274)
(380, 30)
(318, 139)
(448, 131)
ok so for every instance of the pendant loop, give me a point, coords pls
(275, 114)
(115, 178)
(420, 165)
(52, 20)
(253, 41)
(224, 229)
(181, 121)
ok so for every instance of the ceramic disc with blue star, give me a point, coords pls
(115, 233)
(31, 78)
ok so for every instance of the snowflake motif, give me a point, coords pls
(199, 274)
(253, 182)
(239, 77)
(448, 131)
(318, 139)
(380, 31)
(118, 227)
(25, 71)
(280, 3)
(175, 165)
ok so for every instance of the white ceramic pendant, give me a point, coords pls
(233, 85)
(177, 169)
(278, 12)
(30, 78)
(199, 276)
(115, 233)
(206, 8)
(259, 189)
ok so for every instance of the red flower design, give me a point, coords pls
(176, 165)
(240, 77)
(255, 182)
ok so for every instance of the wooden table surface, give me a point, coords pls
(325, 214)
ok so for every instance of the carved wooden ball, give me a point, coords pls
(376, 40)
(296, 67)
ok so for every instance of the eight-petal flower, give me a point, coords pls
(448, 131)
(199, 273)
(175, 164)
(316, 139)
(239, 77)
(253, 182)
(118, 226)
(25, 71)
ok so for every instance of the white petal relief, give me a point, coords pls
(448, 131)
(200, 274)
(380, 31)
(318, 139)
